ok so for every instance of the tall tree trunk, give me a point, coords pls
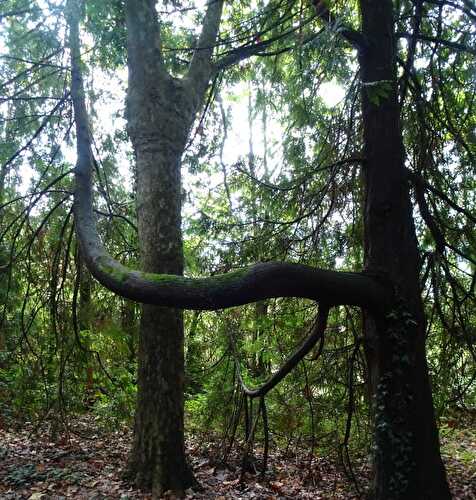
(158, 457)
(160, 113)
(407, 458)
(158, 123)
(84, 324)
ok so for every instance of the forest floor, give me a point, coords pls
(88, 465)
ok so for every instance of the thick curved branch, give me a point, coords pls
(261, 281)
(310, 341)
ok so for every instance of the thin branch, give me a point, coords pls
(416, 178)
(438, 41)
(38, 131)
(310, 341)
(257, 47)
(469, 10)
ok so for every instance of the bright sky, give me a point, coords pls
(109, 110)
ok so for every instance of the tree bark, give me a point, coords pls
(157, 460)
(160, 113)
(408, 464)
(158, 455)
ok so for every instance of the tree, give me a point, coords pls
(407, 458)
(160, 112)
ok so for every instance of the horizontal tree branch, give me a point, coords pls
(461, 47)
(258, 282)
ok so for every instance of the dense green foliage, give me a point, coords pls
(291, 193)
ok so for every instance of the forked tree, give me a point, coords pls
(161, 110)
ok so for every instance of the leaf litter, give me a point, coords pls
(88, 463)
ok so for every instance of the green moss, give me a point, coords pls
(121, 274)
(227, 278)
(164, 279)
(220, 280)
(117, 274)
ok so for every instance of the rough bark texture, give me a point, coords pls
(160, 114)
(157, 125)
(407, 459)
(158, 456)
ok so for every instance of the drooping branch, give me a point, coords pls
(310, 341)
(258, 282)
(37, 132)
(418, 179)
(430, 222)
